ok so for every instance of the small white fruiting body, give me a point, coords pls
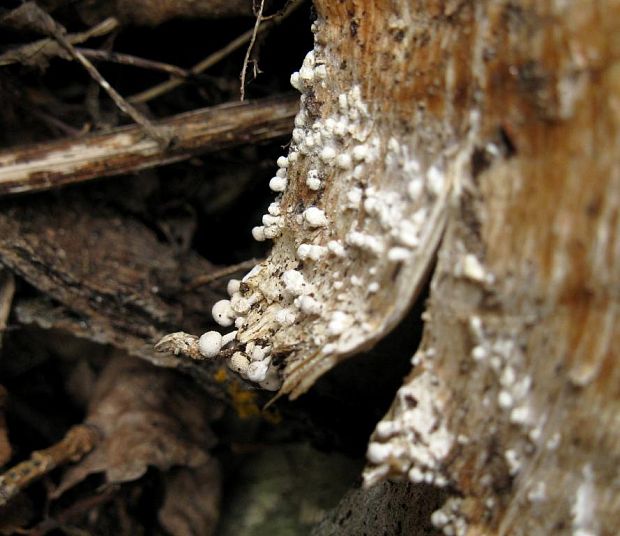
(278, 184)
(258, 233)
(257, 370)
(398, 254)
(344, 161)
(336, 248)
(233, 286)
(328, 153)
(315, 217)
(210, 344)
(311, 252)
(308, 305)
(239, 362)
(274, 209)
(312, 180)
(223, 313)
(294, 283)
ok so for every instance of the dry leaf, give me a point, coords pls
(147, 417)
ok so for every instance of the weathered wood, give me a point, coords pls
(127, 149)
(498, 119)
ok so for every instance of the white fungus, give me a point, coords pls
(398, 254)
(472, 268)
(328, 153)
(285, 317)
(258, 233)
(257, 370)
(379, 452)
(366, 242)
(312, 180)
(308, 305)
(311, 252)
(272, 231)
(278, 184)
(233, 286)
(228, 338)
(282, 161)
(210, 343)
(294, 282)
(295, 82)
(274, 209)
(315, 217)
(336, 248)
(360, 152)
(223, 313)
(339, 323)
(344, 161)
(239, 362)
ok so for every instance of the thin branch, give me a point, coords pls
(134, 61)
(78, 441)
(206, 279)
(60, 34)
(212, 59)
(30, 52)
(246, 59)
(123, 150)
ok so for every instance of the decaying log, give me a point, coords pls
(127, 149)
(499, 122)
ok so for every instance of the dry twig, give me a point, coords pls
(212, 59)
(47, 48)
(206, 279)
(134, 61)
(78, 441)
(123, 150)
(246, 59)
(59, 33)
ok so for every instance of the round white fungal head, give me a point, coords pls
(258, 233)
(315, 217)
(257, 370)
(210, 343)
(278, 184)
(223, 313)
(239, 362)
(233, 286)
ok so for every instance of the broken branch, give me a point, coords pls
(124, 150)
(79, 441)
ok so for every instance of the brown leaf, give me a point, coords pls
(191, 505)
(147, 417)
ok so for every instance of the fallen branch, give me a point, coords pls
(79, 441)
(124, 150)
